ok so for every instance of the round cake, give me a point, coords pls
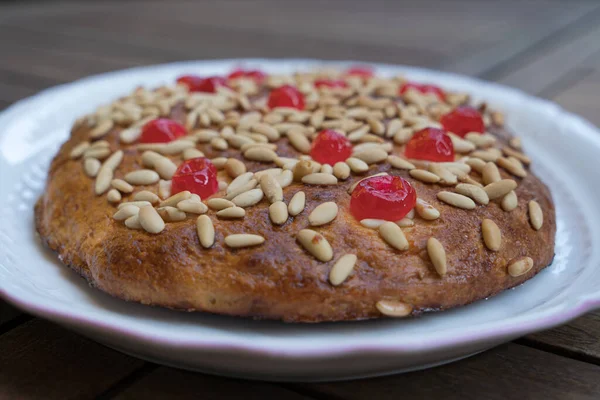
(319, 196)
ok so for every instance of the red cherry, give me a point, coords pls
(423, 89)
(286, 96)
(363, 72)
(430, 144)
(162, 130)
(385, 197)
(255, 74)
(330, 83)
(198, 175)
(198, 84)
(462, 120)
(330, 147)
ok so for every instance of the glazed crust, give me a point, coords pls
(279, 279)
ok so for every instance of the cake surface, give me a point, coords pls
(449, 252)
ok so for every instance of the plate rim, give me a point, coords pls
(495, 330)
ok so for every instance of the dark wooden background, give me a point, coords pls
(547, 48)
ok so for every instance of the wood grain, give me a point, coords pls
(507, 372)
(42, 360)
(169, 383)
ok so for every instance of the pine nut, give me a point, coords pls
(206, 231)
(517, 154)
(240, 240)
(499, 189)
(456, 200)
(176, 198)
(323, 214)
(315, 244)
(219, 162)
(520, 266)
(137, 204)
(319, 178)
(297, 203)
(249, 198)
(219, 143)
(512, 167)
(403, 135)
(103, 180)
(509, 201)
(231, 212)
(164, 189)
(393, 127)
(126, 212)
(146, 195)
(371, 223)
(490, 173)
(393, 235)
(91, 166)
(405, 223)
(149, 157)
(536, 217)
(342, 269)
(303, 168)
(171, 214)
(492, 237)
(150, 220)
(113, 196)
(99, 153)
(133, 222)
(424, 176)
(130, 134)
(79, 149)
(142, 177)
(437, 255)
(235, 167)
(341, 170)
(267, 130)
(219, 204)
(285, 178)
(476, 163)
(269, 171)
(260, 154)
(400, 163)
(242, 189)
(299, 141)
(326, 169)
(101, 129)
(475, 192)
(356, 165)
(357, 134)
(191, 206)
(278, 213)
(480, 140)
(460, 145)
(371, 156)
(165, 167)
(190, 153)
(240, 181)
(426, 210)
(485, 155)
(271, 188)
(393, 308)
(238, 141)
(515, 143)
(446, 177)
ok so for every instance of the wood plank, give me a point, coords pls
(170, 383)
(544, 66)
(41, 360)
(579, 339)
(506, 372)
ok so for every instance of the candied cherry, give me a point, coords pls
(198, 84)
(330, 83)
(362, 72)
(431, 144)
(423, 88)
(286, 96)
(197, 175)
(384, 197)
(462, 120)
(255, 74)
(161, 130)
(330, 147)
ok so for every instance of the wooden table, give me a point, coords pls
(547, 48)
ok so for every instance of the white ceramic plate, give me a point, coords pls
(565, 150)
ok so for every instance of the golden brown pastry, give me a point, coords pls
(482, 223)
